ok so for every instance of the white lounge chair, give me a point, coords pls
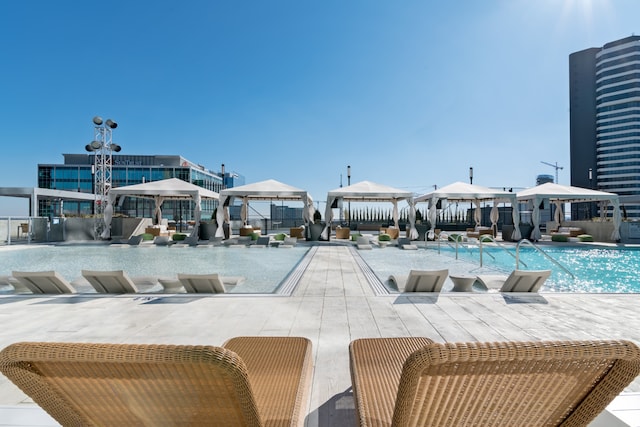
(110, 282)
(517, 281)
(404, 243)
(202, 283)
(261, 242)
(44, 282)
(421, 280)
(363, 242)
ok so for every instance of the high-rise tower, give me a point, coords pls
(604, 91)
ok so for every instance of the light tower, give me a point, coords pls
(103, 147)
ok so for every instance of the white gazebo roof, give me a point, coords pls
(464, 191)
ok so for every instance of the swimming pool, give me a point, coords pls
(263, 269)
(594, 269)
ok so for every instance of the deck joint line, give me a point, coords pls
(291, 281)
(376, 285)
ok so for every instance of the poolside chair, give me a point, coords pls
(163, 241)
(261, 242)
(400, 381)
(363, 242)
(135, 240)
(110, 282)
(405, 243)
(249, 381)
(288, 242)
(420, 280)
(202, 283)
(44, 282)
(517, 281)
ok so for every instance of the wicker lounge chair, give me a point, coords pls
(250, 381)
(517, 281)
(202, 283)
(421, 280)
(110, 282)
(564, 383)
(44, 282)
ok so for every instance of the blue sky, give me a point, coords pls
(409, 93)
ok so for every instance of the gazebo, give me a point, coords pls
(367, 191)
(461, 191)
(159, 191)
(559, 194)
(264, 190)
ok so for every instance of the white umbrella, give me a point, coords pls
(494, 216)
(617, 219)
(244, 210)
(196, 213)
(433, 216)
(515, 215)
(413, 232)
(536, 234)
(477, 214)
(395, 213)
(158, 211)
(558, 213)
(108, 216)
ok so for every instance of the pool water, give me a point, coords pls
(597, 270)
(263, 269)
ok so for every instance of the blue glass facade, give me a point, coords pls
(76, 175)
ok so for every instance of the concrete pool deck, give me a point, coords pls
(332, 305)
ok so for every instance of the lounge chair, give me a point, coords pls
(135, 240)
(44, 282)
(110, 282)
(202, 283)
(250, 381)
(400, 381)
(421, 280)
(363, 242)
(405, 243)
(517, 281)
(163, 241)
(261, 242)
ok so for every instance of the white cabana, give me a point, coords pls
(159, 191)
(264, 190)
(366, 191)
(463, 192)
(558, 194)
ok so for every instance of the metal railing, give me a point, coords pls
(498, 244)
(459, 242)
(546, 255)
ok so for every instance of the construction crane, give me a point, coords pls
(554, 166)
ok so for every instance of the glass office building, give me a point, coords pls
(605, 119)
(76, 174)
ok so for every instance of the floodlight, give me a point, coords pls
(96, 145)
(111, 124)
(97, 120)
(116, 148)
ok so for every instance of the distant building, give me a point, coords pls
(542, 179)
(604, 100)
(76, 174)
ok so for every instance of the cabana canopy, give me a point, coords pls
(172, 188)
(366, 191)
(264, 190)
(559, 194)
(461, 191)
